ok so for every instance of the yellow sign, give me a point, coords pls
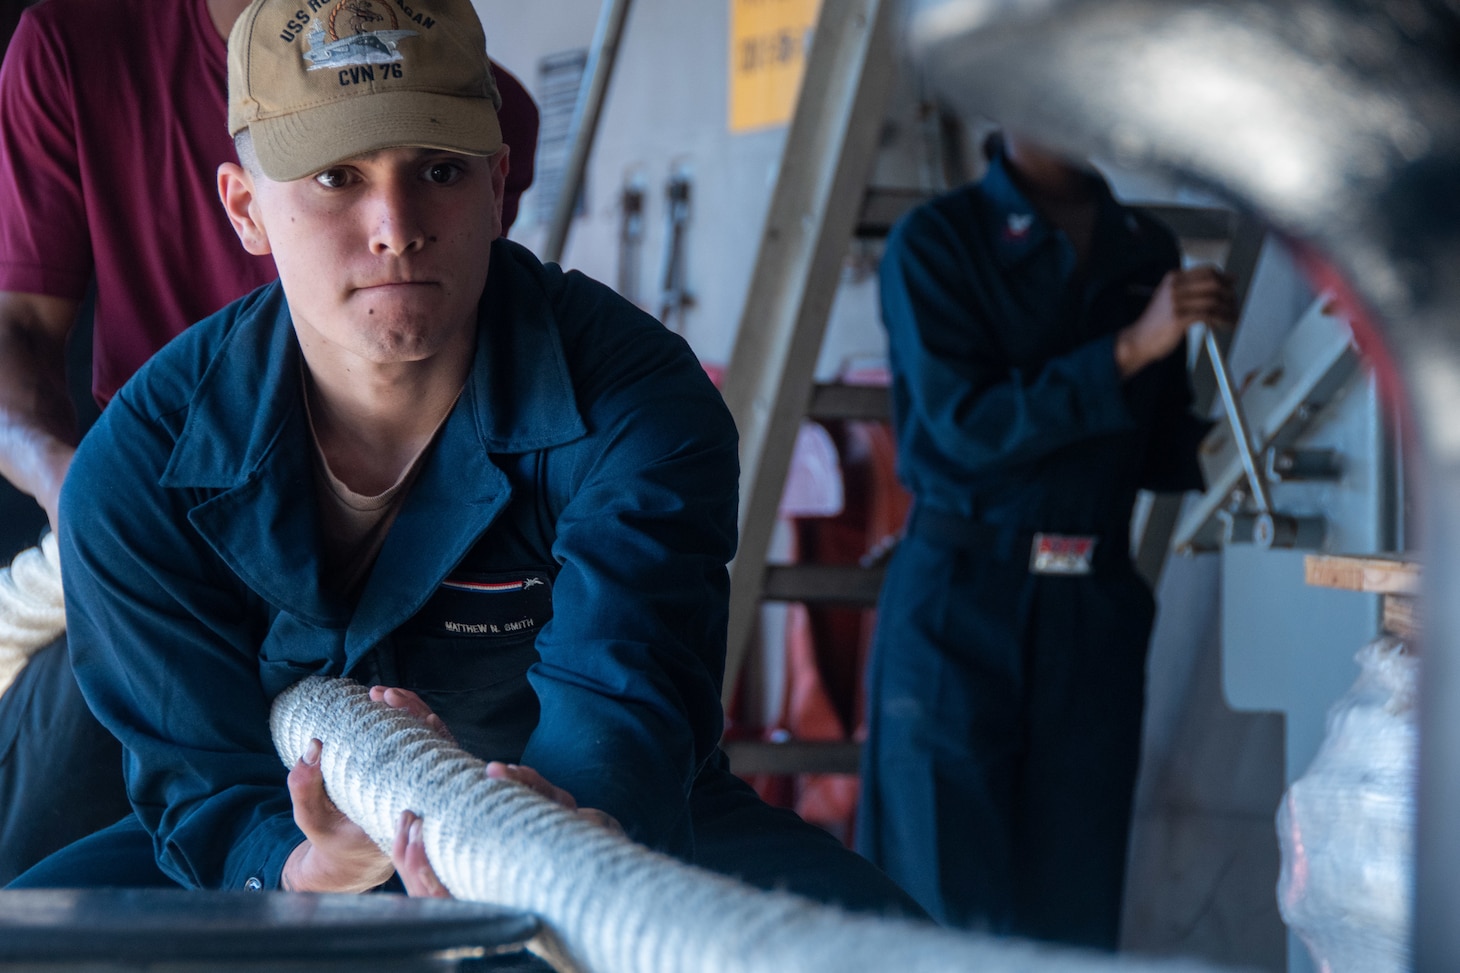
(769, 41)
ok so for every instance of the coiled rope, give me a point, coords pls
(612, 906)
(32, 611)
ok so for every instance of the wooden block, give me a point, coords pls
(1401, 616)
(1391, 574)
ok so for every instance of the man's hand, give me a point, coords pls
(412, 704)
(1183, 298)
(496, 770)
(336, 855)
(408, 853)
(409, 857)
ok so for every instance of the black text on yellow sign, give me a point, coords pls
(769, 40)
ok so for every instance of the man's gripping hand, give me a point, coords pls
(409, 852)
(412, 704)
(337, 855)
(496, 770)
(1183, 298)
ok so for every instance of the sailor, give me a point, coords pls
(424, 460)
(119, 191)
(1037, 332)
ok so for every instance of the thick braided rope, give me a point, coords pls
(32, 612)
(612, 905)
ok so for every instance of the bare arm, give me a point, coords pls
(37, 421)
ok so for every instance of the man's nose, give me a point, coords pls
(398, 226)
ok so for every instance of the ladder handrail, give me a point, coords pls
(584, 129)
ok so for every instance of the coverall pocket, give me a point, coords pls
(479, 689)
(486, 609)
(467, 653)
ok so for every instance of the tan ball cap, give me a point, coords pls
(319, 81)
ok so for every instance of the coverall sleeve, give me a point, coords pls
(633, 659)
(165, 654)
(984, 412)
(1171, 462)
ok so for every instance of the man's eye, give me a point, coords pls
(443, 173)
(333, 178)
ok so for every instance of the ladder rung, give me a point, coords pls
(1194, 222)
(841, 583)
(883, 207)
(793, 757)
(838, 401)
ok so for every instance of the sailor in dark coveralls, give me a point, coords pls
(1037, 332)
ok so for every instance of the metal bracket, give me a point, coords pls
(674, 296)
(1312, 366)
(1294, 465)
(631, 236)
(1269, 531)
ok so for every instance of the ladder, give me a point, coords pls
(769, 384)
(828, 157)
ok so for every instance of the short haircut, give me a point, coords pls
(247, 157)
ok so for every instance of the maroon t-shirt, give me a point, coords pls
(113, 120)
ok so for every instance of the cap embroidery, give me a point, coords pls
(362, 43)
(302, 99)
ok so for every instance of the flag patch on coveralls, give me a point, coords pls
(469, 605)
(1061, 554)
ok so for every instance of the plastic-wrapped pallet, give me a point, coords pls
(1346, 826)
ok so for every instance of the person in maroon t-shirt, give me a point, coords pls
(113, 122)
(88, 84)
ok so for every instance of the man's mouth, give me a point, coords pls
(394, 283)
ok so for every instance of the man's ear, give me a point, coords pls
(240, 202)
(500, 167)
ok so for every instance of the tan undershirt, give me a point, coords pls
(353, 526)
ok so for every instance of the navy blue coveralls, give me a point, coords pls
(1005, 706)
(555, 587)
